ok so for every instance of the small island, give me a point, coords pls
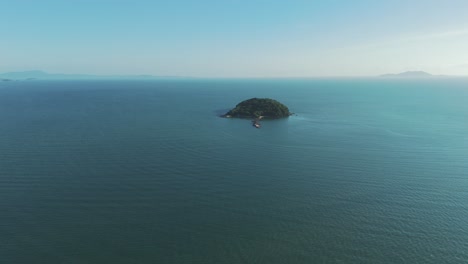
(259, 108)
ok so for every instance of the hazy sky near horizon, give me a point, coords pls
(244, 38)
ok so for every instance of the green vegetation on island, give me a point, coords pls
(259, 108)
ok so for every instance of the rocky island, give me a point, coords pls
(259, 108)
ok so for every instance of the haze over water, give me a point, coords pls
(367, 171)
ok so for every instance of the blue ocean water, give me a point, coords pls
(367, 171)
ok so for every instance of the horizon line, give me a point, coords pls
(46, 74)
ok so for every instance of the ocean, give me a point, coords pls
(366, 171)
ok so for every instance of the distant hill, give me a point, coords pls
(41, 75)
(23, 75)
(410, 74)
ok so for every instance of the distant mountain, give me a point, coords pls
(41, 75)
(23, 75)
(410, 74)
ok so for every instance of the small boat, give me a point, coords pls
(255, 124)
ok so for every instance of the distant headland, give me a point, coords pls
(409, 74)
(259, 108)
(41, 75)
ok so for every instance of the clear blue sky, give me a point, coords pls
(243, 38)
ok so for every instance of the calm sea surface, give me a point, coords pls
(368, 171)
